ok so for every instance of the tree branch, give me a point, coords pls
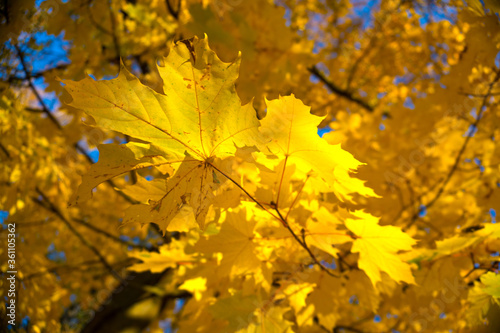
(49, 114)
(172, 11)
(363, 55)
(246, 192)
(37, 74)
(33, 89)
(337, 90)
(5, 151)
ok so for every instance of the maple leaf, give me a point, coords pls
(291, 133)
(144, 190)
(322, 231)
(491, 285)
(482, 296)
(116, 160)
(378, 247)
(235, 242)
(237, 309)
(197, 122)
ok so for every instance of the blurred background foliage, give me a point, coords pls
(408, 88)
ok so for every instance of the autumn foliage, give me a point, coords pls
(251, 166)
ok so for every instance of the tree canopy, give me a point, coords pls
(250, 166)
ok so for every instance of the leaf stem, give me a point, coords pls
(296, 198)
(281, 181)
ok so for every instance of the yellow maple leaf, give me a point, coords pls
(484, 294)
(235, 242)
(378, 248)
(115, 160)
(323, 233)
(491, 285)
(291, 132)
(196, 123)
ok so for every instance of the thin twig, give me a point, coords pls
(363, 55)
(32, 224)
